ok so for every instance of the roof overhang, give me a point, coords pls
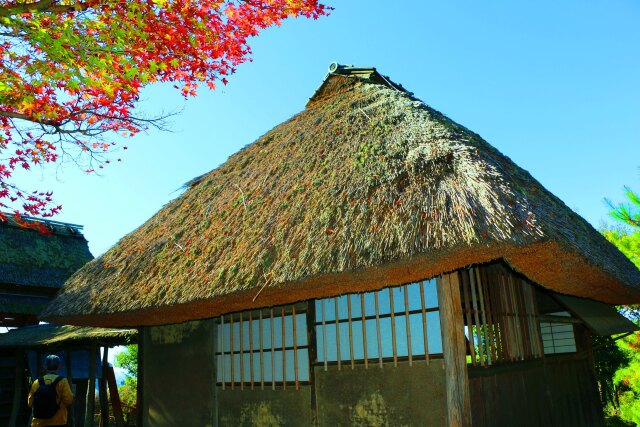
(543, 263)
(64, 336)
(600, 318)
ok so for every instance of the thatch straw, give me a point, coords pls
(65, 336)
(366, 187)
(16, 304)
(31, 258)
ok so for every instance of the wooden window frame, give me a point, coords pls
(412, 354)
(500, 315)
(253, 382)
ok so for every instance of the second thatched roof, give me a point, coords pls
(40, 258)
(57, 336)
(365, 188)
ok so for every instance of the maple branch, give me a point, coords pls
(49, 6)
(159, 123)
(71, 73)
(23, 116)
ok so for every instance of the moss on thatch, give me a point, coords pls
(33, 258)
(65, 336)
(366, 187)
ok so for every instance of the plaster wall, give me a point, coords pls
(178, 376)
(265, 408)
(401, 396)
(179, 389)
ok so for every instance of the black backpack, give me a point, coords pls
(45, 399)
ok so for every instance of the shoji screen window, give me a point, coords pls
(265, 348)
(399, 323)
(558, 336)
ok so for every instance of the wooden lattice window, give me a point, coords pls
(399, 323)
(558, 336)
(500, 316)
(263, 348)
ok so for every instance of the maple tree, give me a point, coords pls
(71, 72)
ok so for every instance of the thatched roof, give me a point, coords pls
(65, 336)
(367, 187)
(29, 257)
(23, 304)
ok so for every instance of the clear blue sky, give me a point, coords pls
(553, 85)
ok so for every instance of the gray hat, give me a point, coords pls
(52, 363)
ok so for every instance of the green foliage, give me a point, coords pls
(128, 393)
(128, 360)
(628, 213)
(627, 379)
(615, 421)
(628, 242)
(618, 368)
(608, 358)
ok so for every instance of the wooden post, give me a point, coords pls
(71, 420)
(215, 373)
(115, 397)
(312, 353)
(140, 379)
(17, 388)
(104, 400)
(453, 348)
(79, 401)
(91, 388)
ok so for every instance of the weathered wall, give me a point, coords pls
(401, 397)
(265, 408)
(558, 393)
(178, 375)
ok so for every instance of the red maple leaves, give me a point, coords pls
(71, 72)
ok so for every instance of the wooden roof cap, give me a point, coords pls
(367, 74)
(54, 227)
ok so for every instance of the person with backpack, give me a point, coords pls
(50, 396)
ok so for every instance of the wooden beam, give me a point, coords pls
(231, 350)
(223, 369)
(336, 311)
(91, 387)
(425, 329)
(140, 379)
(284, 352)
(295, 347)
(241, 343)
(312, 353)
(115, 397)
(71, 419)
(453, 348)
(251, 373)
(17, 388)
(104, 400)
(261, 331)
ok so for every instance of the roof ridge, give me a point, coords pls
(367, 74)
(55, 227)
